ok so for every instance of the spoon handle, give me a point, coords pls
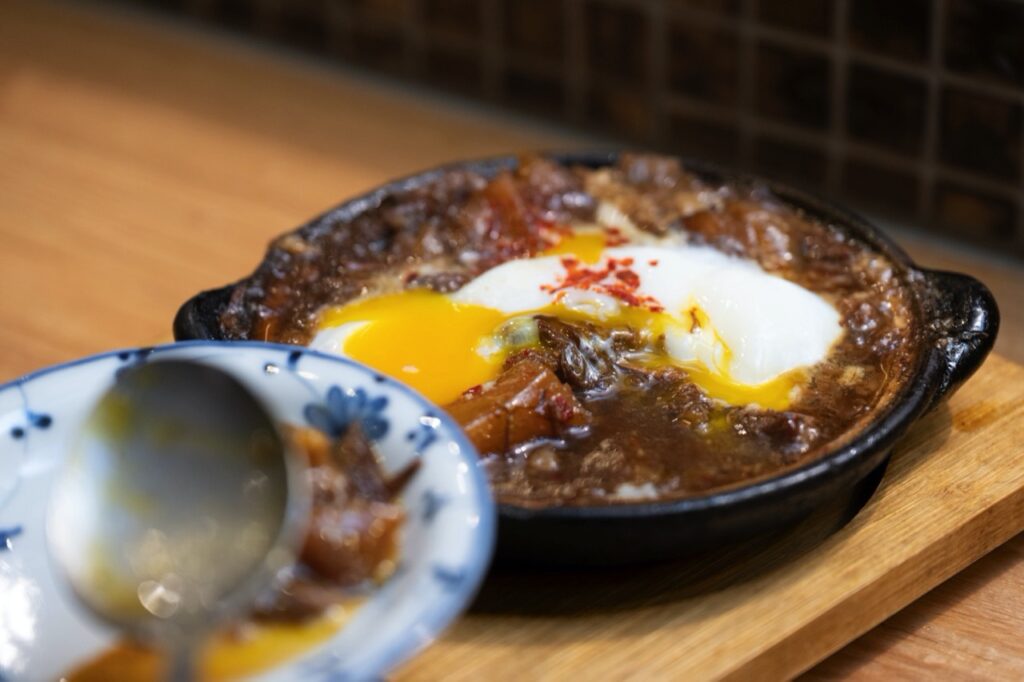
(182, 663)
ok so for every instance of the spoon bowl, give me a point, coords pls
(177, 505)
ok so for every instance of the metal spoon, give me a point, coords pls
(178, 504)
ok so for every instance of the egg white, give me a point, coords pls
(769, 324)
(725, 316)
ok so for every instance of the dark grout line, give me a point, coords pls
(659, 70)
(746, 94)
(414, 32)
(837, 116)
(932, 112)
(460, 42)
(492, 48)
(576, 71)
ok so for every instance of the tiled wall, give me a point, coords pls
(910, 108)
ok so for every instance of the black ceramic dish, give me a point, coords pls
(959, 319)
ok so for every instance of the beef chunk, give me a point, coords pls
(526, 402)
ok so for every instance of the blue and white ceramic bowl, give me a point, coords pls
(446, 541)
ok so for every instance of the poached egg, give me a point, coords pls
(743, 335)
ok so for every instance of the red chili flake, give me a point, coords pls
(628, 277)
(614, 237)
(653, 262)
(614, 279)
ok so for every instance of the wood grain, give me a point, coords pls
(980, 637)
(141, 161)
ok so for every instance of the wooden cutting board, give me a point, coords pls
(954, 490)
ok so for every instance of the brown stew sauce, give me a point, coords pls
(571, 422)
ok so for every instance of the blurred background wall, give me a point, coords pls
(910, 109)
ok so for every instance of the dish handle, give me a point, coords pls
(199, 317)
(963, 322)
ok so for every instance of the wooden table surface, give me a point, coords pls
(141, 161)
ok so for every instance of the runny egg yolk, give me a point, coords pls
(441, 347)
(775, 394)
(423, 339)
(587, 245)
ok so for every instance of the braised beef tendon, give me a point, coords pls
(590, 410)
(525, 403)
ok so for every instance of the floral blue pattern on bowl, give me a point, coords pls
(342, 408)
(446, 541)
